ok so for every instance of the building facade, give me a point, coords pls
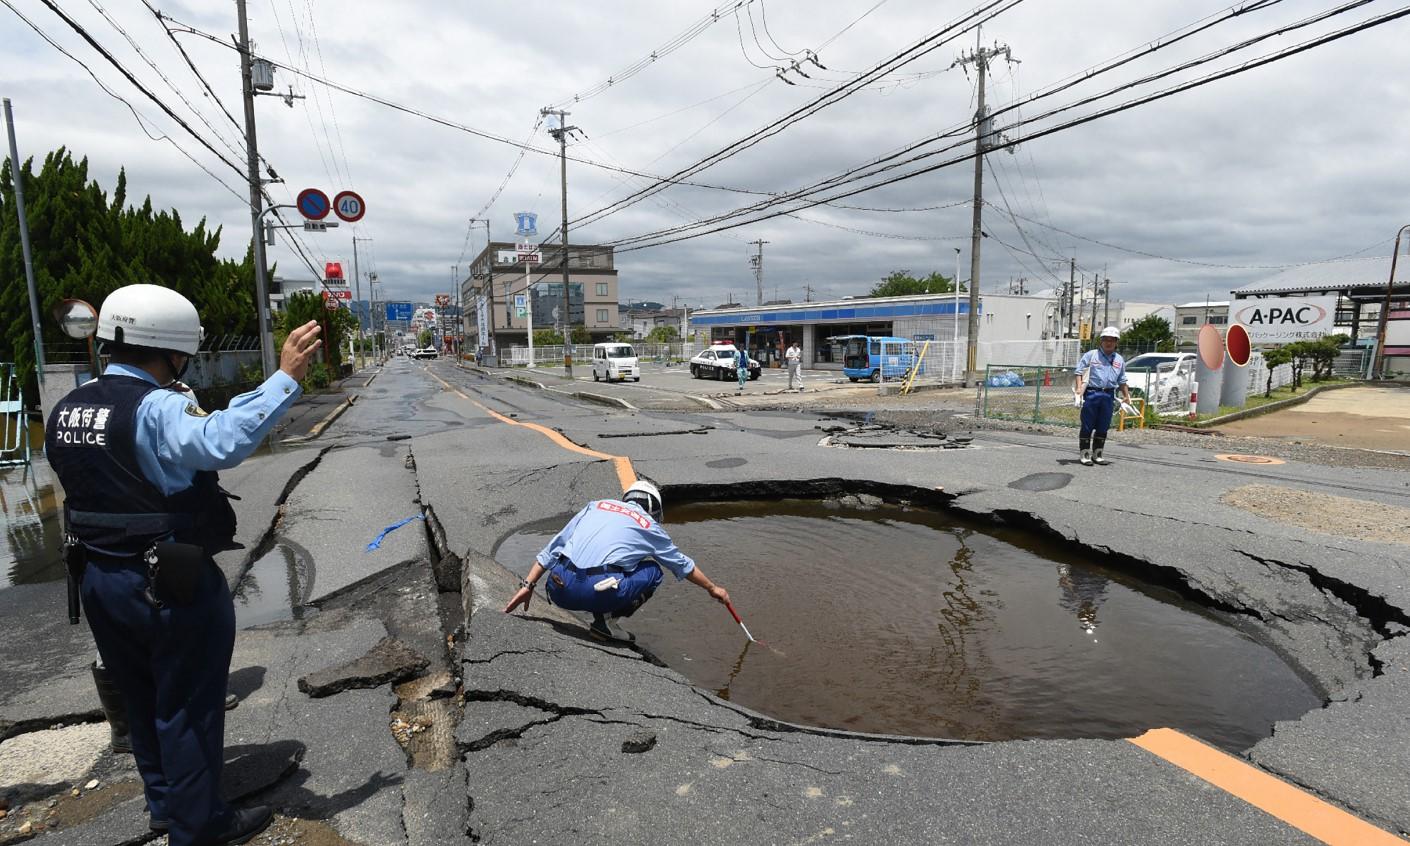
(1189, 317)
(499, 298)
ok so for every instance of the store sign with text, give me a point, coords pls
(1285, 320)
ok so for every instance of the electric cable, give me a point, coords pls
(995, 140)
(1198, 82)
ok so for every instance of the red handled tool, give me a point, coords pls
(735, 615)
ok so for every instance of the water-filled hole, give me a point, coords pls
(906, 621)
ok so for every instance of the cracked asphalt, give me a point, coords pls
(535, 734)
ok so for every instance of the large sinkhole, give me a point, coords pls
(903, 620)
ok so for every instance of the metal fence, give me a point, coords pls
(14, 429)
(1034, 394)
(552, 355)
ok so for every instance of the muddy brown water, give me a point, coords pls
(904, 621)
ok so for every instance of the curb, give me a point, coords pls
(705, 401)
(1275, 406)
(524, 380)
(322, 424)
(603, 399)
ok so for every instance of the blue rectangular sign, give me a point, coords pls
(399, 311)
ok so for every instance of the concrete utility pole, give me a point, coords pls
(1071, 294)
(266, 340)
(357, 292)
(16, 177)
(983, 128)
(757, 261)
(561, 133)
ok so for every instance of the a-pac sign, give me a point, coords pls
(1286, 319)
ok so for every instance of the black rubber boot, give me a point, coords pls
(600, 631)
(114, 708)
(1084, 449)
(1098, 441)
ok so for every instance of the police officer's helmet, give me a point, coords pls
(150, 316)
(1111, 332)
(647, 496)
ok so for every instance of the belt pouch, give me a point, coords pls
(178, 571)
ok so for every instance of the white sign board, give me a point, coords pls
(482, 312)
(506, 256)
(1285, 320)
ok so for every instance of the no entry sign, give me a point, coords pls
(313, 204)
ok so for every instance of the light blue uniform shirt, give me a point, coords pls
(610, 533)
(174, 440)
(1105, 373)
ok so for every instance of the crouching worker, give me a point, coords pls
(608, 561)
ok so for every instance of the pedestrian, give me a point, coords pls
(794, 359)
(607, 560)
(1099, 373)
(144, 513)
(741, 364)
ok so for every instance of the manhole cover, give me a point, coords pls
(1251, 459)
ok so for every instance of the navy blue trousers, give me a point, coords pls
(578, 592)
(172, 666)
(1097, 408)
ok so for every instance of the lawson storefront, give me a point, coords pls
(766, 332)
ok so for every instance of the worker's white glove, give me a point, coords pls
(1076, 400)
(1129, 409)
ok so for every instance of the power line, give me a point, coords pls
(141, 121)
(657, 239)
(996, 137)
(83, 33)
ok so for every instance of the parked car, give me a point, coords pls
(615, 362)
(873, 357)
(426, 352)
(1159, 376)
(718, 362)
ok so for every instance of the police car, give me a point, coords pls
(718, 362)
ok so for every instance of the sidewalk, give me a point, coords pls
(312, 410)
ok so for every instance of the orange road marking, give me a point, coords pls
(626, 476)
(1268, 793)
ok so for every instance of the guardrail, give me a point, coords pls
(14, 429)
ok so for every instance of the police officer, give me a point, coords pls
(608, 561)
(137, 460)
(1100, 372)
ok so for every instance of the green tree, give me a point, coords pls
(87, 244)
(1149, 330)
(581, 335)
(303, 306)
(663, 334)
(424, 338)
(900, 283)
(1272, 359)
(547, 338)
(1324, 352)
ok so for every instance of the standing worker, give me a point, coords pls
(794, 359)
(741, 364)
(608, 561)
(144, 514)
(1099, 373)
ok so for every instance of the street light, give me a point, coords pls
(1385, 307)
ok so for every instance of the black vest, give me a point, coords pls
(109, 505)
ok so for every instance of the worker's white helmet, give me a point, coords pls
(647, 496)
(1111, 332)
(150, 316)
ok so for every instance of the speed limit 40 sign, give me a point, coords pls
(348, 206)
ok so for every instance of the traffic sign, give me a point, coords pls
(319, 225)
(330, 304)
(349, 206)
(521, 305)
(399, 311)
(313, 204)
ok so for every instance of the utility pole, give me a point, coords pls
(1096, 295)
(266, 340)
(807, 293)
(757, 262)
(1379, 363)
(1071, 293)
(983, 128)
(561, 133)
(17, 177)
(1106, 300)
(357, 292)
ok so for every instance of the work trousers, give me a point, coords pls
(172, 665)
(1096, 418)
(579, 589)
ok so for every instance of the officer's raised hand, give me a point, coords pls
(299, 348)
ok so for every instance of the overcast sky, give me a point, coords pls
(1298, 161)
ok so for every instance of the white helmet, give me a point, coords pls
(150, 316)
(647, 496)
(1111, 332)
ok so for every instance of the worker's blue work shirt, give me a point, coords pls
(1104, 373)
(175, 438)
(610, 533)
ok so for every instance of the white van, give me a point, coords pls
(614, 361)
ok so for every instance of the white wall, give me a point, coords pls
(1009, 317)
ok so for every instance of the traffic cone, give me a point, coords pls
(1047, 378)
